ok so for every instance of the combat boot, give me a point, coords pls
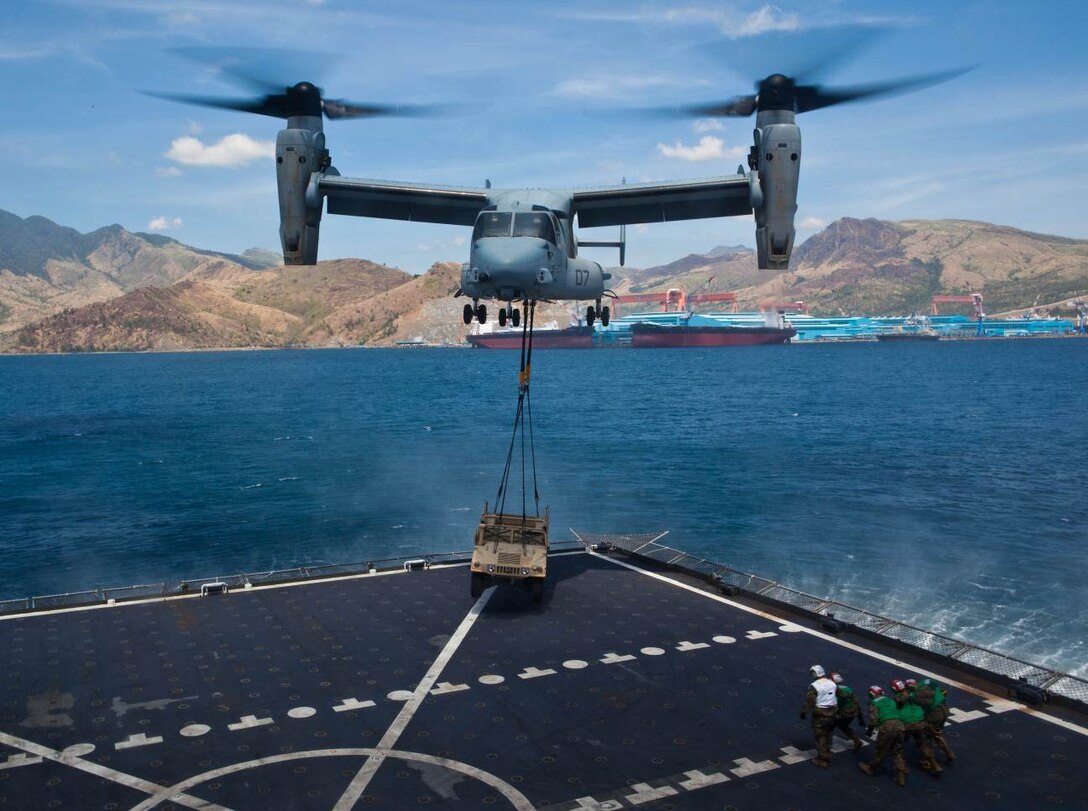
(900, 777)
(933, 767)
(865, 767)
(823, 764)
(858, 743)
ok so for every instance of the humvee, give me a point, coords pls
(510, 549)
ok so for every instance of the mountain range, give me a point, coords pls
(111, 289)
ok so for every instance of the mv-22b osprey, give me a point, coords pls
(524, 247)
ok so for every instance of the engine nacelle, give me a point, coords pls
(300, 151)
(775, 190)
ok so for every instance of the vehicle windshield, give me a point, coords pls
(534, 224)
(492, 224)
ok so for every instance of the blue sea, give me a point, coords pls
(942, 484)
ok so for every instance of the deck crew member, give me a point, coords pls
(848, 710)
(821, 702)
(884, 719)
(913, 717)
(933, 699)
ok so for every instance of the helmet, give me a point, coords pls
(898, 685)
(876, 690)
(835, 677)
(910, 683)
(816, 671)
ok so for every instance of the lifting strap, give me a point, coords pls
(523, 423)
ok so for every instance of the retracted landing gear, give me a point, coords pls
(475, 310)
(593, 313)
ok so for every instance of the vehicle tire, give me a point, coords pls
(606, 314)
(537, 589)
(515, 319)
(591, 316)
(468, 314)
(481, 314)
(477, 587)
(502, 316)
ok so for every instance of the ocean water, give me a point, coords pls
(942, 484)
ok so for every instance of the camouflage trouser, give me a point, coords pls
(918, 731)
(935, 721)
(823, 724)
(889, 740)
(845, 726)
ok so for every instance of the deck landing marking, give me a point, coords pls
(444, 687)
(795, 755)
(686, 646)
(20, 759)
(99, 770)
(999, 705)
(248, 722)
(400, 695)
(302, 712)
(590, 803)
(139, 739)
(721, 639)
(363, 777)
(652, 651)
(535, 673)
(746, 767)
(577, 664)
(491, 678)
(194, 730)
(958, 716)
(843, 643)
(615, 658)
(760, 634)
(645, 793)
(78, 749)
(697, 780)
(344, 705)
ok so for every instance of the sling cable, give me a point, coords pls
(523, 424)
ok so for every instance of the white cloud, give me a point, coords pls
(164, 223)
(613, 86)
(708, 125)
(812, 223)
(231, 152)
(760, 21)
(167, 171)
(458, 241)
(708, 148)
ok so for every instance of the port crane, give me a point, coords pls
(972, 298)
(1082, 316)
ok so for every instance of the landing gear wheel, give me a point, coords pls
(502, 316)
(606, 314)
(468, 314)
(515, 318)
(477, 586)
(591, 316)
(481, 314)
(537, 590)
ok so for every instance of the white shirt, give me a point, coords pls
(825, 693)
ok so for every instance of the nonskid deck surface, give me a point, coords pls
(626, 688)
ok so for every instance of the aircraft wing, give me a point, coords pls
(663, 202)
(383, 199)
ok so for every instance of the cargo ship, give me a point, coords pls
(918, 335)
(575, 337)
(647, 335)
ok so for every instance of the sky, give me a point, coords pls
(545, 91)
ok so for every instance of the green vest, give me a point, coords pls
(886, 709)
(848, 703)
(930, 694)
(911, 713)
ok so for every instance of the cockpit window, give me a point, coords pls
(534, 224)
(492, 224)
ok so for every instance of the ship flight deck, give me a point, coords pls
(633, 685)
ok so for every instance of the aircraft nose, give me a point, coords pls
(501, 255)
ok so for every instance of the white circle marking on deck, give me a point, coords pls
(301, 712)
(400, 695)
(724, 640)
(195, 730)
(575, 664)
(79, 749)
(652, 651)
(491, 678)
(790, 628)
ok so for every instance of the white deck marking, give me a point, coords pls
(345, 705)
(107, 774)
(194, 730)
(444, 687)
(535, 673)
(760, 634)
(795, 755)
(686, 646)
(575, 664)
(721, 639)
(171, 793)
(645, 793)
(78, 749)
(958, 716)
(400, 695)
(615, 658)
(1000, 705)
(302, 712)
(20, 759)
(249, 722)
(746, 767)
(591, 804)
(491, 678)
(134, 741)
(363, 777)
(697, 780)
(652, 651)
(849, 645)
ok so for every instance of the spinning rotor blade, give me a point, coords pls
(814, 97)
